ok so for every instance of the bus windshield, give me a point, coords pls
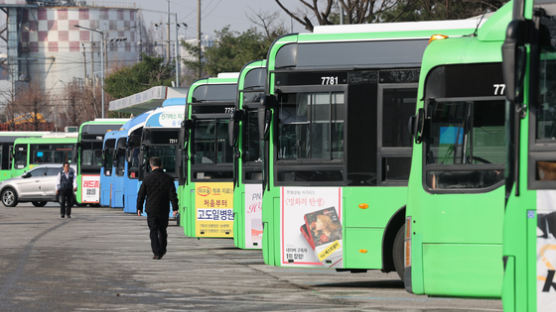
(108, 159)
(464, 140)
(167, 155)
(91, 157)
(133, 151)
(311, 126)
(210, 142)
(252, 147)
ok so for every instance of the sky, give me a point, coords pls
(215, 14)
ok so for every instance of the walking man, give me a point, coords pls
(159, 189)
(65, 188)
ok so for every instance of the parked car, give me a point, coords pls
(37, 186)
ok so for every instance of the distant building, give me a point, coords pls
(46, 49)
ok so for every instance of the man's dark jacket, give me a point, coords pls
(159, 189)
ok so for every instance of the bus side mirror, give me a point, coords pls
(411, 123)
(514, 58)
(233, 127)
(419, 126)
(269, 101)
(261, 112)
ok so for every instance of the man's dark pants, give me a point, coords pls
(159, 236)
(66, 201)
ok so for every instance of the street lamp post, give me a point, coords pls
(101, 63)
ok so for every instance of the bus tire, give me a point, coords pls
(397, 252)
(39, 203)
(9, 197)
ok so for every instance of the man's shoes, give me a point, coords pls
(155, 257)
(69, 217)
(62, 216)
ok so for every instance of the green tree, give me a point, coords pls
(326, 12)
(150, 72)
(231, 50)
(421, 10)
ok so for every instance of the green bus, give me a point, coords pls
(455, 203)
(337, 145)
(51, 148)
(529, 56)
(248, 167)
(89, 157)
(7, 139)
(205, 167)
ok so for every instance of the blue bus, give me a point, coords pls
(132, 162)
(107, 170)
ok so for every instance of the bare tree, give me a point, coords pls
(269, 22)
(326, 12)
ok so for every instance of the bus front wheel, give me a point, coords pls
(397, 252)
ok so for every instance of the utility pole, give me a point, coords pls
(341, 13)
(199, 37)
(168, 35)
(92, 63)
(84, 63)
(177, 56)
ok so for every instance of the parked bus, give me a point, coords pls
(337, 144)
(455, 205)
(7, 139)
(51, 148)
(248, 166)
(89, 157)
(160, 139)
(107, 170)
(530, 215)
(133, 161)
(206, 173)
(126, 139)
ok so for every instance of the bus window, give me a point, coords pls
(544, 156)
(211, 142)
(120, 157)
(20, 156)
(91, 157)
(133, 152)
(311, 128)
(465, 144)
(167, 155)
(252, 148)
(108, 159)
(398, 104)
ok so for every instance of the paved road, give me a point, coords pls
(100, 260)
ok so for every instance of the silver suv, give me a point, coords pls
(37, 185)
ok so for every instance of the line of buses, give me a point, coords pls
(424, 148)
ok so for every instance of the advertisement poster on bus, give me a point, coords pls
(214, 207)
(311, 226)
(90, 189)
(546, 250)
(253, 215)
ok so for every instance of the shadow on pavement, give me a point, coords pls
(393, 284)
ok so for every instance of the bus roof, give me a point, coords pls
(174, 101)
(227, 75)
(166, 117)
(135, 123)
(485, 47)
(205, 96)
(398, 27)
(46, 140)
